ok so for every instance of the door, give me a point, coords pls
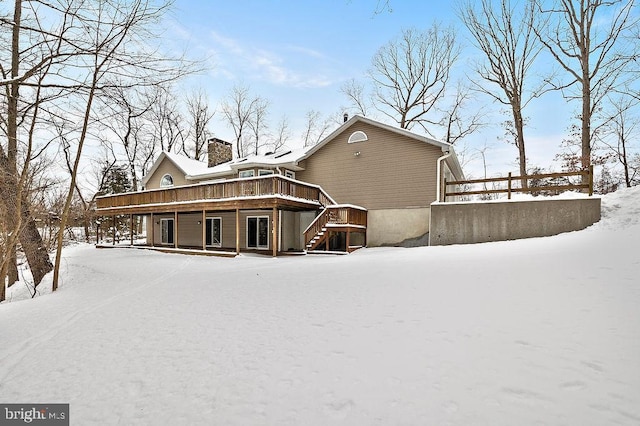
(258, 232)
(214, 232)
(166, 231)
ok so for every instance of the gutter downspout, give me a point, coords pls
(446, 155)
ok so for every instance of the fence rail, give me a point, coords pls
(534, 184)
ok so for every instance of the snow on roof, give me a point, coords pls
(187, 165)
(287, 158)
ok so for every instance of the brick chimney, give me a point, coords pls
(219, 152)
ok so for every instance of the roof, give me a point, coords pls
(358, 118)
(288, 159)
(446, 147)
(187, 165)
(197, 170)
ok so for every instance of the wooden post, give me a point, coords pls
(348, 239)
(152, 232)
(326, 241)
(275, 232)
(131, 228)
(443, 195)
(204, 230)
(591, 180)
(175, 229)
(237, 231)
(114, 230)
(509, 190)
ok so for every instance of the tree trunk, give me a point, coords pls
(586, 119)
(12, 132)
(522, 156)
(35, 249)
(29, 237)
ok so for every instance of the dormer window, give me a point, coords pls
(358, 136)
(166, 181)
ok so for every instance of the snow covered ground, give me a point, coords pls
(541, 331)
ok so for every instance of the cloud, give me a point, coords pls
(234, 58)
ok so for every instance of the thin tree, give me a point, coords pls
(411, 74)
(457, 120)
(622, 130)
(281, 135)
(315, 128)
(238, 109)
(166, 121)
(199, 116)
(124, 118)
(258, 123)
(106, 34)
(356, 95)
(506, 37)
(586, 38)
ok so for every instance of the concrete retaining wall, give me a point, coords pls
(392, 226)
(465, 223)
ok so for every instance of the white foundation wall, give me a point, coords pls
(392, 226)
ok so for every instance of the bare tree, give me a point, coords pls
(238, 110)
(457, 121)
(282, 134)
(258, 123)
(411, 74)
(80, 50)
(356, 94)
(586, 39)
(506, 37)
(167, 123)
(199, 116)
(125, 119)
(315, 128)
(622, 129)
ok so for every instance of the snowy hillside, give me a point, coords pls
(539, 331)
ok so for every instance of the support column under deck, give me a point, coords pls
(152, 232)
(275, 232)
(204, 230)
(237, 231)
(175, 229)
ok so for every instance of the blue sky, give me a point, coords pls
(297, 54)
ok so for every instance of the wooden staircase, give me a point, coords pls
(339, 228)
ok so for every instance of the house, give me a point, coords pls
(367, 183)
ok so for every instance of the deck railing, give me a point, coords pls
(536, 184)
(271, 185)
(336, 215)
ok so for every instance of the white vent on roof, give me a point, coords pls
(358, 136)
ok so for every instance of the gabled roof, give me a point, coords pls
(186, 165)
(446, 147)
(197, 170)
(358, 118)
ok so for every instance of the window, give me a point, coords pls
(247, 173)
(166, 231)
(167, 180)
(214, 232)
(258, 232)
(358, 137)
(263, 172)
(290, 174)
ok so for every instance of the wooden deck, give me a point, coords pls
(263, 192)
